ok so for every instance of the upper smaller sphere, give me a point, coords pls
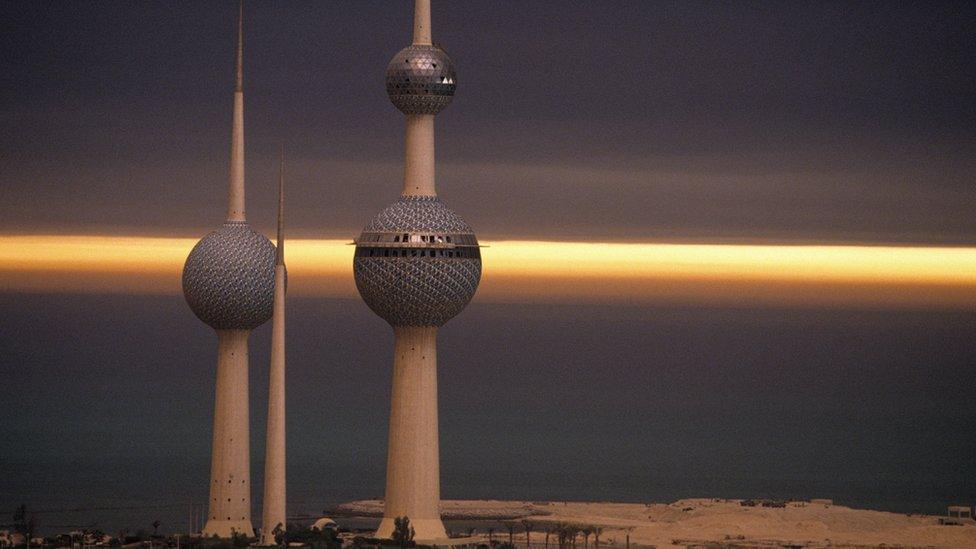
(421, 80)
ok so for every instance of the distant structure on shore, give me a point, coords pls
(228, 282)
(273, 516)
(417, 265)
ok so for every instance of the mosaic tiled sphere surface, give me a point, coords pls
(421, 80)
(228, 278)
(417, 263)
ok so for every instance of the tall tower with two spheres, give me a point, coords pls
(417, 265)
(228, 282)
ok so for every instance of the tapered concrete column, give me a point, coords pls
(421, 23)
(413, 484)
(274, 459)
(230, 471)
(273, 514)
(418, 171)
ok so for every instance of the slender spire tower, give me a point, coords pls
(228, 282)
(274, 459)
(417, 265)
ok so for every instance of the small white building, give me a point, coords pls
(958, 514)
(324, 523)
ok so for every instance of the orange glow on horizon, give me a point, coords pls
(540, 271)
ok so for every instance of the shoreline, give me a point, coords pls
(691, 522)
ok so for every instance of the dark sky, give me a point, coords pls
(618, 120)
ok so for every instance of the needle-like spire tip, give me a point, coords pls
(240, 49)
(235, 207)
(280, 248)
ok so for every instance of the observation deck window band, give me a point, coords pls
(460, 239)
(415, 245)
(376, 252)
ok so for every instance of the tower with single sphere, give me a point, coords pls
(228, 281)
(417, 265)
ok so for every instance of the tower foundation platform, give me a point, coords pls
(227, 528)
(426, 531)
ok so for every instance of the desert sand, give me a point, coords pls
(708, 522)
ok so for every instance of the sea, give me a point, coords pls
(106, 403)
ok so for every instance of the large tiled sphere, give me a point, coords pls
(421, 80)
(417, 263)
(229, 276)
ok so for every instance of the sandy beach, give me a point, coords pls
(706, 523)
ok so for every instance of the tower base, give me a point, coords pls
(413, 486)
(228, 528)
(425, 530)
(229, 508)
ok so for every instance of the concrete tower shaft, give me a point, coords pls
(229, 509)
(235, 196)
(418, 169)
(413, 483)
(274, 515)
(421, 23)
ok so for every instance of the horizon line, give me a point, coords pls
(544, 270)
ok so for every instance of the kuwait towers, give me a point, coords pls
(228, 281)
(417, 265)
